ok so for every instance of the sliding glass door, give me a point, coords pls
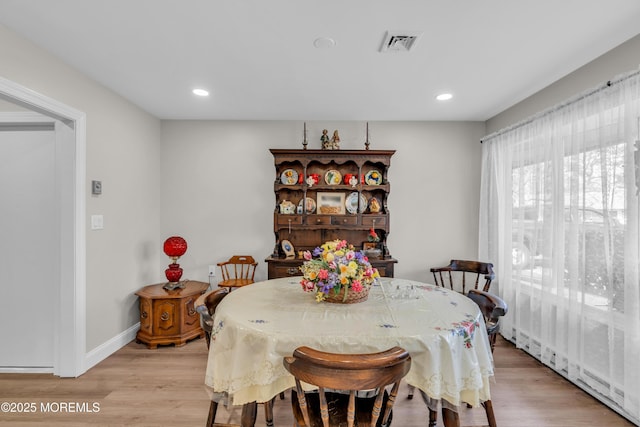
(559, 218)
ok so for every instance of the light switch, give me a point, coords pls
(97, 222)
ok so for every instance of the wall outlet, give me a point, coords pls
(212, 270)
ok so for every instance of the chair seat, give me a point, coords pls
(337, 404)
(235, 283)
(493, 327)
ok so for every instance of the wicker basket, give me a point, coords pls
(352, 297)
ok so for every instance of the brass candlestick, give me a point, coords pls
(305, 142)
(366, 142)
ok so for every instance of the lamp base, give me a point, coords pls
(170, 286)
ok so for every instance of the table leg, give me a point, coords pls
(249, 412)
(450, 418)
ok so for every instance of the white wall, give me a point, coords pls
(217, 179)
(622, 59)
(122, 151)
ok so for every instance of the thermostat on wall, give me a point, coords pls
(96, 188)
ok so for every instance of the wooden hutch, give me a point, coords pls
(323, 195)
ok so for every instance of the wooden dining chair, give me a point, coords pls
(461, 275)
(493, 308)
(341, 380)
(238, 271)
(206, 305)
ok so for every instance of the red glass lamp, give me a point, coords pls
(174, 247)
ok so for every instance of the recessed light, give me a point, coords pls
(200, 92)
(444, 97)
(324, 42)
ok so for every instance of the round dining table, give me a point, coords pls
(256, 326)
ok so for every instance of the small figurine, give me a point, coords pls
(325, 140)
(335, 141)
(374, 205)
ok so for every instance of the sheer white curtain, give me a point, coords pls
(559, 219)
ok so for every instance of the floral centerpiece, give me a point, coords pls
(337, 272)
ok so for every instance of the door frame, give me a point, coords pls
(70, 308)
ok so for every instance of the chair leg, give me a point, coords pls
(411, 390)
(488, 409)
(268, 412)
(213, 408)
(433, 418)
(492, 341)
(433, 414)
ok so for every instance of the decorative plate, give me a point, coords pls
(289, 177)
(311, 205)
(333, 177)
(352, 203)
(288, 249)
(373, 177)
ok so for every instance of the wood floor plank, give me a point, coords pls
(165, 387)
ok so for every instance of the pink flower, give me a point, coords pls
(356, 286)
(307, 255)
(341, 244)
(323, 274)
(307, 285)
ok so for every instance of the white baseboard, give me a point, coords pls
(27, 370)
(106, 349)
(92, 358)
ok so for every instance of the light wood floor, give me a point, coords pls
(164, 387)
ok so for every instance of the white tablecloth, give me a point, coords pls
(257, 325)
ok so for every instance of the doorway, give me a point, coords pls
(68, 270)
(28, 229)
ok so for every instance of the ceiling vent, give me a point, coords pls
(400, 41)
